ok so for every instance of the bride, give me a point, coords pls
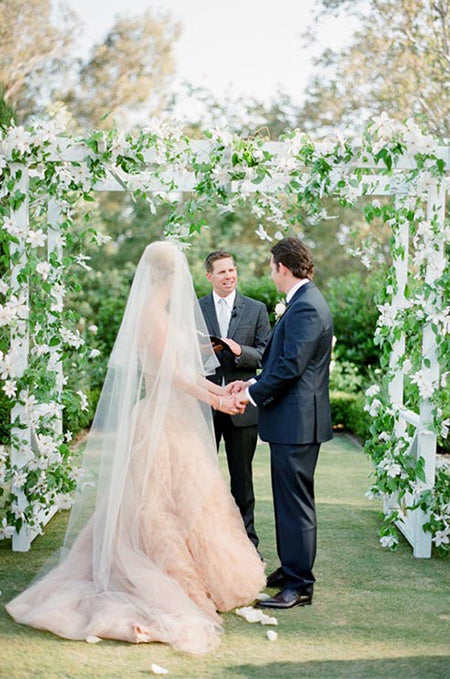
(155, 545)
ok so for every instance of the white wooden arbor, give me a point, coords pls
(424, 444)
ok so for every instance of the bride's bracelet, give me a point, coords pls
(220, 403)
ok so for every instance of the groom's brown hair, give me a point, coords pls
(295, 255)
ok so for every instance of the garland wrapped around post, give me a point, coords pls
(45, 175)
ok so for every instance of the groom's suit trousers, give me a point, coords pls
(292, 472)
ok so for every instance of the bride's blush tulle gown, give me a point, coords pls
(178, 550)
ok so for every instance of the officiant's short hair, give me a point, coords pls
(214, 257)
(295, 255)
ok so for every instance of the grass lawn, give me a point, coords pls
(375, 614)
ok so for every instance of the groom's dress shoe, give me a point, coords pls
(276, 579)
(287, 598)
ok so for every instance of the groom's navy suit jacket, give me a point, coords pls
(292, 390)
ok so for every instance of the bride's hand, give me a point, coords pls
(228, 405)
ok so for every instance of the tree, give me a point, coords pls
(398, 61)
(128, 71)
(34, 41)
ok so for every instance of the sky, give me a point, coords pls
(243, 47)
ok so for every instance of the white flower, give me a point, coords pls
(83, 399)
(10, 388)
(371, 391)
(36, 238)
(63, 501)
(68, 436)
(262, 233)
(280, 308)
(3, 287)
(81, 260)
(271, 635)
(388, 315)
(445, 424)
(93, 329)
(94, 353)
(6, 531)
(424, 383)
(101, 239)
(19, 478)
(44, 268)
(441, 537)
(407, 365)
(394, 470)
(388, 541)
(373, 407)
(47, 446)
(7, 315)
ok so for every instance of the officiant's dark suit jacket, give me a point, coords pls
(292, 390)
(249, 327)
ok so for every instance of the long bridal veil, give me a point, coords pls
(155, 544)
(156, 355)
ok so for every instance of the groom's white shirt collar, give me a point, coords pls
(229, 299)
(294, 289)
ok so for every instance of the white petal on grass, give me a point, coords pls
(93, 640)
(271, 635)
(262, 596)
(268, 620)
(157, 669)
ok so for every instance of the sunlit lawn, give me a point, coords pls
(375, 614)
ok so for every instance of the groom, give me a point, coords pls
(294, 416)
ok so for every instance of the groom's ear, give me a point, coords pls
(208, 276)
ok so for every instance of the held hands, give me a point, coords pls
(228, 405)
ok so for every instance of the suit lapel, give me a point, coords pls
(211, 316)
(238, 310)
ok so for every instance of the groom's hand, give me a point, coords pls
(241, 398)
(236, 387)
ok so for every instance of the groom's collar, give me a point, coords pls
(296, 287)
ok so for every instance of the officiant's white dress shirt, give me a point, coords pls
(224, 305)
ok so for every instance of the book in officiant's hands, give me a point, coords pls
(218, 344)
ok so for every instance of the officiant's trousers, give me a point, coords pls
(292, 471)
(240, 446)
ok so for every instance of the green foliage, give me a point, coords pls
(347, 413)
(344, 376)
(351, 300)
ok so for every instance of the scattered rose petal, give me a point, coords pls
(271, 635)
(93, 640)
(267, 620)
(156, 669)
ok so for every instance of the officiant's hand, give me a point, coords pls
(234, 346)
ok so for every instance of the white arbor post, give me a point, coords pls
(20, 347)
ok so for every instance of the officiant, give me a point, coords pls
(243, 325)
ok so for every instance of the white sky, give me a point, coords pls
(248, 47)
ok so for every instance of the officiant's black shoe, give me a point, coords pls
(287, 598)
(276, 579)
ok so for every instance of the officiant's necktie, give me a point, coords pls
(223, 316)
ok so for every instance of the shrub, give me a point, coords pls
(348, 414)
(352, 305)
